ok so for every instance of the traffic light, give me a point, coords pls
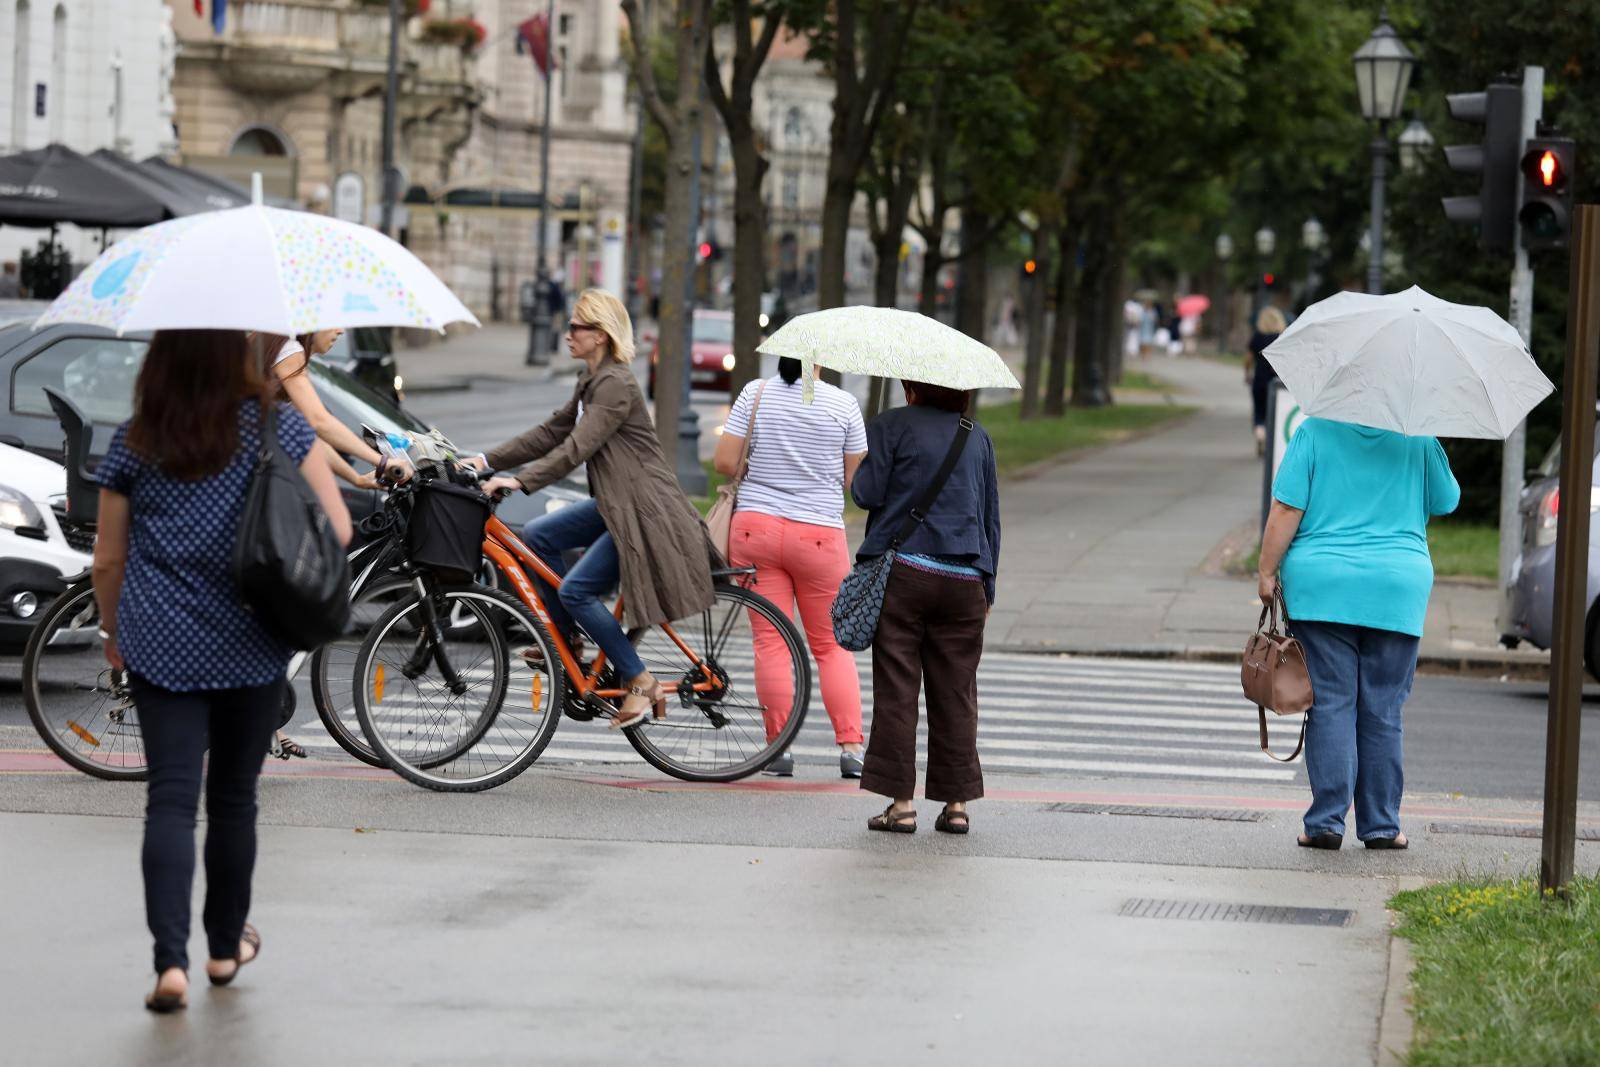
(1499, 111)
(1029, 267)
(705, 251)
(1547, 187)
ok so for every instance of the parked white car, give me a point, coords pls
(36, 560)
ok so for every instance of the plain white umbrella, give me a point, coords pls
(1411, 363)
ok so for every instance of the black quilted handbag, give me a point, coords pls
(860, 600)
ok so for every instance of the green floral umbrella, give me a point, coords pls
(889, 343)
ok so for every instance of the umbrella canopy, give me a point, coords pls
(1411, 363)
(890, 343)
(1193, 304)
(214, 192)
(52, 185)
(256, 268)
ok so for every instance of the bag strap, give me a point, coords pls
(919, 510)
(1298, 745)
(750, 438)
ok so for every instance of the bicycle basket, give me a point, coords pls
(445, 534)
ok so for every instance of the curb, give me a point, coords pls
(1396, 1026)
(1517, 667)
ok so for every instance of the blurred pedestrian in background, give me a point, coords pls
(205, 674)
(1348, 531)
(1258, 373)
(789, 526)
(930, 632)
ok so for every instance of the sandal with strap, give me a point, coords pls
(288, 747)
(654, 697)
(248, 936)
(952, 822)
(894, 822)
(166, 1003)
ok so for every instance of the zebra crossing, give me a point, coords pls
(1050, 715)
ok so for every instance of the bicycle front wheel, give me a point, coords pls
(80, 706)
(333, 668)
(459, 708)
(724, 721)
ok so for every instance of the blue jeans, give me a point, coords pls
(592, 577)
(1360, 678)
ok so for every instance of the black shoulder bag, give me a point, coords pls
(860, 600)
(291, 570)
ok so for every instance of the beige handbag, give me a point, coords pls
(719, 520)
(1274, 674)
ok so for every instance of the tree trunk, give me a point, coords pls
(749, 257)
(1055, 393)
(1088, 388)
(972, 311)
(1033, 352)
(1116, 284)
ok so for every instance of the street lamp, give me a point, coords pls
(1383, 72)
(1313, 237)
(1224, 247)
(1266, 242)
(1415, 143)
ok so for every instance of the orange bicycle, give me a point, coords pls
(460, 688)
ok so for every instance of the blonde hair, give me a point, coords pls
(1271, 320)
(596, 307)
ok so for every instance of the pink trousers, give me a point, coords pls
(797, 562)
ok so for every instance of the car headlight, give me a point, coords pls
(399, 383)
(17, 511)
(763, 320)
(728, 361)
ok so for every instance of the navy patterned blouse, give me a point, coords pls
(180, 623)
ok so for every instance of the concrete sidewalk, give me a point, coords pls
(1118, 550)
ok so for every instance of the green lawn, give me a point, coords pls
(1019, 444)
(1502, 977)
(1459, 550)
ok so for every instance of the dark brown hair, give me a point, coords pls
(186, 401)
(265, 348)
(937, 396)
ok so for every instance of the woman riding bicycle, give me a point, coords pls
(639, 528)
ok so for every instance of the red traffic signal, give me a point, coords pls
(1547, 188)
(1268, 279)
(705, 250)
(1544, 168)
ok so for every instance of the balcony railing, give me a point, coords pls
(294, 24)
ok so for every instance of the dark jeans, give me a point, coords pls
(930, 637)
(592, 577)
(237, 726)
(1360, 678)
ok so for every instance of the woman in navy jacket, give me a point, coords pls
(938, 597)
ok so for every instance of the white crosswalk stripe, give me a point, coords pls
(1055, 715)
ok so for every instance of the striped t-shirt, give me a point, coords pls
(798, 449)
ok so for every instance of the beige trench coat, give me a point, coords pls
(661, 540)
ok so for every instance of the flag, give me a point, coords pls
(200, 8)
(219, 14)
(534, 35)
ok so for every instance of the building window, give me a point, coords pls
(793, 125)
(564, 25)
(258, 141)
(791, 190)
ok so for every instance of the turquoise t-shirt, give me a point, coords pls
(1361, 554)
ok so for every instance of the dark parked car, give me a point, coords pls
(367, 355)
(96, 369)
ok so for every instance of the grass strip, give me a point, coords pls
(1459, 550)
(1503, 977)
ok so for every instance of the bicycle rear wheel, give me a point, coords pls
(80, 706)
(333, 668)
(727, 729)
(459, 708)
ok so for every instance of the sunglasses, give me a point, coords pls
(574, 326)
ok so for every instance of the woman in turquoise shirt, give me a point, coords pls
(1349, 526)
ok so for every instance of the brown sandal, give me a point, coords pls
(947, 823)
(655, 697)
(248, 936)
(902, 822)
(166, 1003)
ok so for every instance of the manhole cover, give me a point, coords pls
(1492, 829)
(1213, 911)
(1156, 811)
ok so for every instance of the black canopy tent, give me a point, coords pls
(52, 185)
(179, 192)
(214, 192)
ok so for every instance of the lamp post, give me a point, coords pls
(1383, 72)
(1224, 250)
(538, 353)
(1312, 237)
(1416, 141)
(1266, 244)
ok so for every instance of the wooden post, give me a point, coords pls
(1572, 553)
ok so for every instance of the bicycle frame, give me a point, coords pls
(509, 554)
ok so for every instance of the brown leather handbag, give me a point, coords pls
(1274, 674)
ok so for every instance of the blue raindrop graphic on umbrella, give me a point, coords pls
(114, 277)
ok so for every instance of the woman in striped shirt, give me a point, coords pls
(789, 525)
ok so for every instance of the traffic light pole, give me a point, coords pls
(1513, 457)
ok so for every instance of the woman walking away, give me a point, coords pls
(789, 526)
(639, 527)
(1258, 373)
(930, 631)
(204, 673)
(1349, 526)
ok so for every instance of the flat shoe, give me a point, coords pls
(952, 822)
(850, 765)
(165, 1003)
(1331, 842)
(1397, 843)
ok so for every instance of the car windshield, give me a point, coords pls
(713, 330)
(356, 405)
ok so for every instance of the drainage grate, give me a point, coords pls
(1216, 814)
(1212, 911)
(1491, 829)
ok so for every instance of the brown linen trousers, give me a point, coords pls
(930, 636)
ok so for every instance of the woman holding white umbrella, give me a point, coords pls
(1346, 540)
